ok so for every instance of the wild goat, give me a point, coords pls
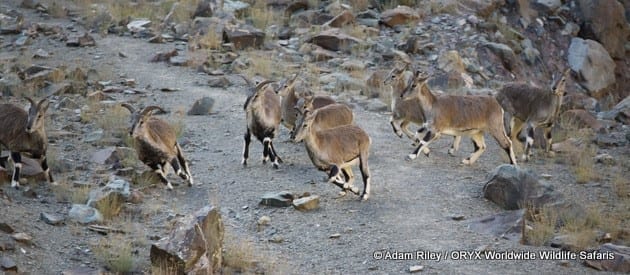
(263, 115)
(459, 115)
(287, 103)
(406, 111)
(336, 150)
(327, 117)
(22, 132)
(156, 144)
(531, 106)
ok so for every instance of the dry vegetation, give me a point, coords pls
(543, 225)
(116, 253)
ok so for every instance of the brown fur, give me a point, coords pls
(329, 116)
(263, 114)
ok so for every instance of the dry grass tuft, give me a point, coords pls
(116, 253)
(110, 206)
(263, 16)
(544, 221)
(114, 120)
(261, 64)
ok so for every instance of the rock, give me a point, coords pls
(93, 136)
(579, 101)
(234, 6)
(306, 203)
(483, 8)
(40, 53)
(205, 8)
(264, 220)
(202, 107)
(399, 16)
(617, 258)
(84, 214)
(6, 243)
(609, 140)
(564, 242)
(138, 25)
(507, 225)
(621, 112)
(219, 82)
(68, 103)
(179, 60)
(51, 219)
(113, 196)
(415, 268)
(513, 188)
(550, 4)
(334, 39)
(136, 197)
(340, 82)
(7, 264)
(10, 84)
(591, 61)
(451, 61)
(605, 22)
(83, 271)
(504, 52)
(277, 199)
(6, 228)
(334, 236)
(581, 119)
(343, 19)
(98, 96)
(164, 56)
(244, 36)
(84, 40)
(113, 155)
(22, 237)
(192, 237)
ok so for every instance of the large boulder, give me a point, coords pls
(513, 188)
(617, 258)
(581, 119)
(605, 21)
(621, 112)
(195, 239)
(335, 40)
(593, 63)
(244, 36)
(399, 16)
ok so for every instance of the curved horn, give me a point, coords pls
(30, 100)
(129, 107)
(41, 101)
(148, 110)
(249, 82)
(262, 84)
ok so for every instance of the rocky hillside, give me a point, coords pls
(111, 214)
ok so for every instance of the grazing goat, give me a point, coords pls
(22, 132)
(336, 150)
(263, 115)
(406, 111)
(459, 115)
(527, 105)
(156, 144)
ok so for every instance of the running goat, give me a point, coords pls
(530, 106)
(459, 115)
(156, 144)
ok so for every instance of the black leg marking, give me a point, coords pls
(17, 166)
(44, 163)
(248, 139)
(266, 150)
(273, 149)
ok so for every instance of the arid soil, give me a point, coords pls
(411, 208)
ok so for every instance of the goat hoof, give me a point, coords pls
(551, 154)
(410, 157)
(467, 161)
(364, 197)
(354, 190)
(276, 166)
(341, 194)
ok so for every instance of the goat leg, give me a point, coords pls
(17, 166)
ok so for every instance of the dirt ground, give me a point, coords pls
(410, 208)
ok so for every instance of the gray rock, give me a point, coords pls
(277, 199)
(621, 112)
(589, 59)
(112, 155)
(117, 191)
(513, 188)
(244, 36)
(68, 104)
(6, 243)
(22, 40)
(306, 203)
(7, 264)
(138, 25)
(202, 107)
(609, 140)
(335, 40)
(234, 6)
(264, 220)
(399, 16)
(507, 225)
(415, 268)
(507, 55)
(607, 22)
(550, 4)
(179, 60)
(93, 136)
(192, 237)
(219, 82)
(51, 219)
(84, 214)
(618, 262)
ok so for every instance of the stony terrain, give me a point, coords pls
(68, 51)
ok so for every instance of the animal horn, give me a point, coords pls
(30, 100)
(148, 110)
(129, 107)
(262, 84)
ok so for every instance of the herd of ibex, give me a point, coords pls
(332, 140)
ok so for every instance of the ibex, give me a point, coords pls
(407, 111)
(24, 133)
(156, 144)
(459, 115)
(527, 105)
(327, 117)
(336, 150)
(263, 115)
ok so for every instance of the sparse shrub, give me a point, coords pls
(543, 225)
(116, 253)
(114, 120)
(263, 16)
(110, 206)
(80, 195)
(238, 255)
